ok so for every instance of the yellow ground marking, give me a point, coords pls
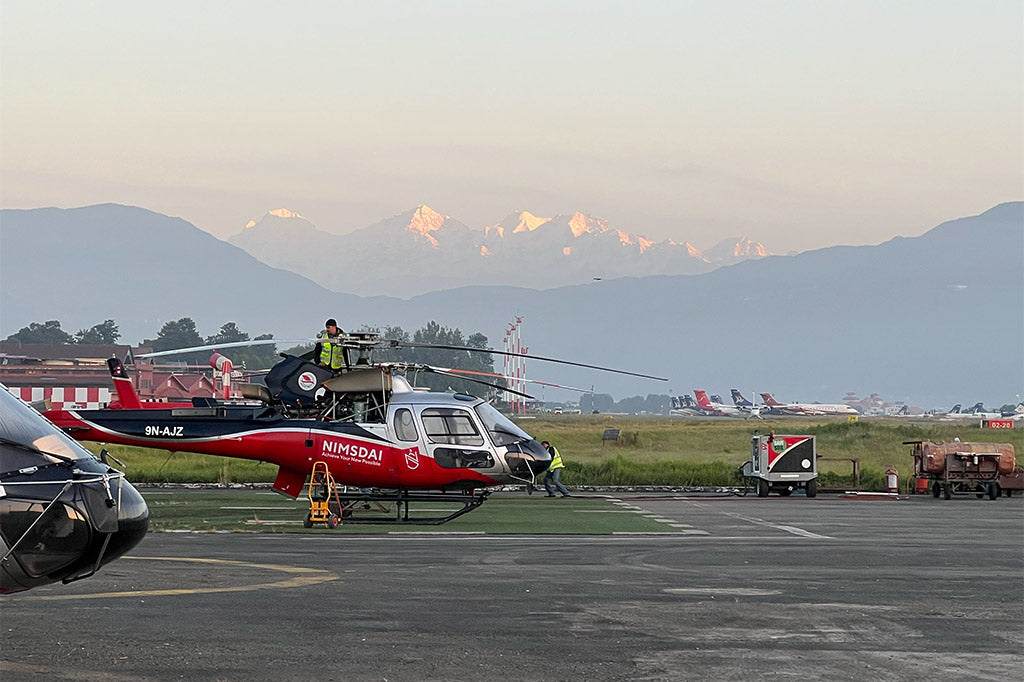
(301, 577)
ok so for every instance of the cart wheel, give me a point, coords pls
(307, 522)
(947, 491)
(786, 492)
(763, 488)
(333, 521)
(812, 487)
(981, 491)
(935, 489)
(993, 491)
(1008, 492)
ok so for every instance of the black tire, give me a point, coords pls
(1008, 492)
(947, 491)
(763, 488)
(332, 522)
(307, 522)
(993, 491)
(786, 492)
(812, 487)
(936, 489)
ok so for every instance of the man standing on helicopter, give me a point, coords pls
(329, 351)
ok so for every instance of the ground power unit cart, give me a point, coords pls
(782, 464)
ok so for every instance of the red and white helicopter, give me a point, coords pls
(366, 423)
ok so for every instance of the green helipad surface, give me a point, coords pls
(269, 512)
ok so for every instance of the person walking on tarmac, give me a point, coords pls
(329, 351)
(554, 473)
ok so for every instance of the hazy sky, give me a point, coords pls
(802, 124)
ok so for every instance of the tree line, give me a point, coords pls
(173, 335)
(183, 333)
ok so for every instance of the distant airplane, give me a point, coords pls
(806, 409)
(745, 405)
(715, 409)
(976, 412)
(683, 406)
(739, 401)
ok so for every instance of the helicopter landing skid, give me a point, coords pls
(392, 508)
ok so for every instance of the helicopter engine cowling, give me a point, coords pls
(296, 382)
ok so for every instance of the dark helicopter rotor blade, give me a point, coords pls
(220, 346)
(408, 344)
(452, 374)
(478, 381)
(529, 381)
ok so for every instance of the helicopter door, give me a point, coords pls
(456, 441)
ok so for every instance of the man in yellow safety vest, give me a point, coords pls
(329, 351)
(554, 473)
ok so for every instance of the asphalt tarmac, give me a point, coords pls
(735, 589)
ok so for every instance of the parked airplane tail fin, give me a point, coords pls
(702, 399)
(769, 400)
(739, 400)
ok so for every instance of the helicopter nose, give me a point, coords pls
(541, 458)
(132, 523)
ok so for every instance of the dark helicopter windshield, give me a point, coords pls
(500, 427)
(20, 424)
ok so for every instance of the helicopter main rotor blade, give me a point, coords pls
(451, 373)
(219, 346)
(529, 381)
(408, 344)
(437, 370)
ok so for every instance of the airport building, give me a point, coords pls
(73, 376)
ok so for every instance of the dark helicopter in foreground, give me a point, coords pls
(63, 513)
(366, 424)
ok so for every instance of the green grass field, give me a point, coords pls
(508, 513)
(650, 451)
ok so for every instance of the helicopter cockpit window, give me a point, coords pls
(405, 427)
(20, 424)
(450, 427)
(500, 428)
(56, 541)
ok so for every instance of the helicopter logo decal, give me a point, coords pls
(352, 451)
(307, 380)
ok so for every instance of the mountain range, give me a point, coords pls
(422, 250)
(932, 320)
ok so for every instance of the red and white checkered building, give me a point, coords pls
(69, 376)
(66, 397)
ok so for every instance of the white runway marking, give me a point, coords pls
(788, 529)
(730, 591)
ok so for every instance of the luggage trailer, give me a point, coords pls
(783, 464)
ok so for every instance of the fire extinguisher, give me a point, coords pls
(892, 481)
